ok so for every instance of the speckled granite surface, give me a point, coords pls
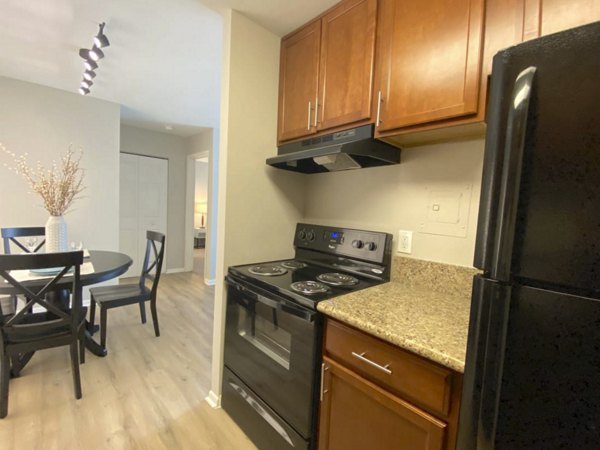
(424, 309)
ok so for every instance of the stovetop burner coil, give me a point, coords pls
(337, 279)
(309, 287)
(293, 265)
(267, 270)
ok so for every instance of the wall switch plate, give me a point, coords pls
(405, 241)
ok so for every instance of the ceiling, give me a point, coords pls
(164, 62)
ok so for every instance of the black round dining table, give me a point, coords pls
(107, 265)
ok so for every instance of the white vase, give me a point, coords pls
(56, 235)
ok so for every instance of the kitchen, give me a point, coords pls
(387, 198)
(440, 166)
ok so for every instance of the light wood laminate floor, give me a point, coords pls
(148, 393)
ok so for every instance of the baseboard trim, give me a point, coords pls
(177, 270)
(210, 281)
(213, 400)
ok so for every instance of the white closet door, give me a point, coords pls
(143, 205)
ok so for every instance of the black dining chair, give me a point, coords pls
(17, 236)
(23, 333)
(108, 297)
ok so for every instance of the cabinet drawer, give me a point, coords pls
(415, 378)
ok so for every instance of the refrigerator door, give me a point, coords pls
(557, 224)
(550, 389)
(483, 366)
(532, 378)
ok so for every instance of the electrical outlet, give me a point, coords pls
(405, 241)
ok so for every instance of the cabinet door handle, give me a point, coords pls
(308, 123)
(379, 100)
(316, 109)
(323, 390)
(362, 357)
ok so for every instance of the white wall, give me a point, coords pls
(43, 122)
(396, 197)
(258, 205)
(174, 148)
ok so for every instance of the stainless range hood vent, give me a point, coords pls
(345, 150)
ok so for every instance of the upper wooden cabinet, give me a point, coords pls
(429, 61)
(419, 69)
(298, 72)
(326, 73)
(544, 17)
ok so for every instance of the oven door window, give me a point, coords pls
(259, 325)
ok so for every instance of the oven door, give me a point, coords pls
(271, 345)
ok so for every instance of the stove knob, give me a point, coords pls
(302, 234)
(310, 235)
(357, 243)
(370, 246)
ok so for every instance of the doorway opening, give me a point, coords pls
(200, 212)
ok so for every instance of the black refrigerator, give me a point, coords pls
(532, 372)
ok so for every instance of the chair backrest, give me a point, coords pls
(15, 326)
(155, 251)
(13, 234)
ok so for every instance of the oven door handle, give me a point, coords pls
(275, 302)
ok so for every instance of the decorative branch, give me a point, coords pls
(58, 186)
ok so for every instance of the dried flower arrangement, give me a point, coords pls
(58, 186)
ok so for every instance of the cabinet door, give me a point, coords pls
(346, 69)
(298, 79)
(558, 15)
(429, 60)
(357, 414)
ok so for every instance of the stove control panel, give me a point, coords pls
(360, 244)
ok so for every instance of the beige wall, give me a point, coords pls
(43, 122)
(258, 206)
(174, 148)
(396, 197)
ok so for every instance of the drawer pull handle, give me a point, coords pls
(361, 356)
(323, 390)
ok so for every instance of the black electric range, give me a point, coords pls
(273, 332)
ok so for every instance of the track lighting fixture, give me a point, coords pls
(91, 58)
(100, 40)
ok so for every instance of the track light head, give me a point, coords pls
(89, 75)
(96, 54)
(100, 40)
(84, 91)
(86, 84)
(90, 65)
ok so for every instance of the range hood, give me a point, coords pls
(350, 149)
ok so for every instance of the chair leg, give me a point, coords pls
(143, 311)
(154, 318)
(103, 321)
(4, 377)
(82, 345)
(75, 368)
(92, 314)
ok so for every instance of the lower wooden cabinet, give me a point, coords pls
(357, 414)
(375, 395)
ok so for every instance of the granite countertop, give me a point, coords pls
(424, 310)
